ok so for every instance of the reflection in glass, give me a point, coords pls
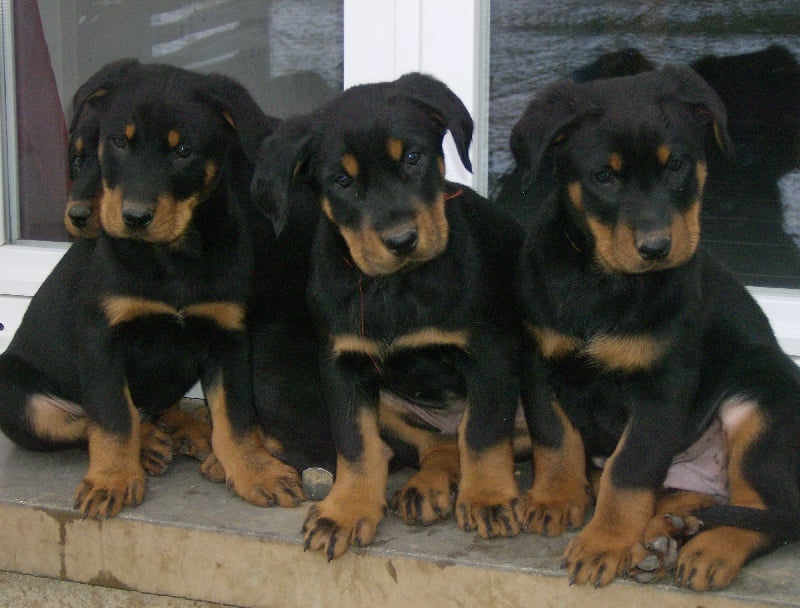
(288, 54)
(747, 51)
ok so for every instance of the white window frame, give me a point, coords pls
(383, 39)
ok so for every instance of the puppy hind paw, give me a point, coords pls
(156, 449)
(656, 555)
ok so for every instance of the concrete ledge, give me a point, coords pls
(194, 539)
(26, 591)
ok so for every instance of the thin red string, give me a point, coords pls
(455, 194)
(361, 311)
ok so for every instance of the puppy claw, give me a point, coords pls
(649, 563)
(659, 545)
(645, 577)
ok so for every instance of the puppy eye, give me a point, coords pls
(183, 150)
(412, 157)
(604, 176)
(675, 164)
(119, 141)
(343, 180)
(76, 164)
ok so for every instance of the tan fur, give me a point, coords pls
(626, 353)
(56, 419)
(394, 148)
(663, 153)
(228, 315)
(122, 309)
(488, 495)
(350, 165)
(432, 336)
(575, 193)
(553, 344)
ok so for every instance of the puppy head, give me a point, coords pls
(627, 155)
(82, 217)
(166, 137)
(373, 157)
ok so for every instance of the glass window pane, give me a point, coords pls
(288, 54)
(752, 208)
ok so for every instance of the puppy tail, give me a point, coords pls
(783, 526)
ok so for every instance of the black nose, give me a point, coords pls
(137, 217)
(79, 215)
(402, 243)
(655, 247)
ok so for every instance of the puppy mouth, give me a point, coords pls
(630, 249)
(400, 247)
(164, 221)
(376, 253)
(621, 250)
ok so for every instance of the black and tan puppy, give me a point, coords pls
(410, 277)
(131, 319)
(190, 435)
(642, 339)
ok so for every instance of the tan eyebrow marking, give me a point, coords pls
(350, 165)
(394, 147)
(663, 153)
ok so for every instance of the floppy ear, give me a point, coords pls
(98, 90)
(239, 109)
(682, 83)
(544, 123)
(281, 157)
(445, 106)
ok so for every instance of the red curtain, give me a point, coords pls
(41, 131)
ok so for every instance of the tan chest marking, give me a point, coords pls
(122, 309)
(423, 338)
(625, 353)
(553, 344)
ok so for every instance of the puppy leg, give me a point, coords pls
(488, 495)
(351, 512)
(115, 477)
(249, 468)
(29, 413)
(560, 493)
(602, 550)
